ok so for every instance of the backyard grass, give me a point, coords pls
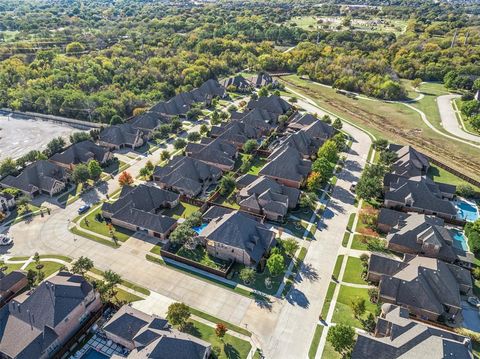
(315, 341)
(258, 163)
(338, 266)
(102, 228)
(343, 312)
(49, 268)
(183, 210)
(200, 255)
(328, 299)
(213, 319)
(231, 347)
(353, 271)
(438, 174)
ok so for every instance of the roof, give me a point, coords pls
(398, 336)
(36, 314)
(301, 120)
(272, 103)
(238, 81)
(81, 152)
(216, 211)
(240, 231)
(119, 135)
(409, 161)
(286, 163)
(148, 121)
(186, 174)
(390, 217)
(41, 175)
(7, 281)
(261, 79)
(217, 151)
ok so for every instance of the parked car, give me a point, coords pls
(84, 208)
(5, 240)
(353, 187)
(474, 301)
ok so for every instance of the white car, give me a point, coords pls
(5, 240)
(474, 301)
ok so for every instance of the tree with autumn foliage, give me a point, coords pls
(221, 330)
(314, 182)
(125, 179)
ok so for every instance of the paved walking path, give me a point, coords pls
(449, 118)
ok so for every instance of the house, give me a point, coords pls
(398, 336)
(299, 121)
(150, 336)
(215, 152)
(410, 162)
(138, 208)
(39, 177)
(187, 175)
(216, 211)
(260, 119)
(417, 195)
(37, 323)
(148, 122)
(287, 166)
(427, 236)
(388, 218)
(238, 237)
(120, 136)
(82, 152)
(428, 287)
(262, 79)
(238, 82)
(273, 103)
(11, 284)
(7, 202)
(265, 196)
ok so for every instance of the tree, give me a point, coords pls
(308, 199)
(165, 155)
(181, 234)
(388, 158)
(79, 137)
(340, 141)
(369, 323)
(369, 188)
(291, 246)
(276, 264)
(314, 181)
(247, 275)
(74, 47)
(31, 277)
(116, 120)
(416, 82)
(193, 136)
(203, 129)
(342, 338)
(221, 330)
(254, 96)
(358, 306)
(149, 166)
(163, 131)
(179, 143)
(380, 144)
(144, 172)
(8, 167)
(82, 265)
(337, 124)
(178, 314)
(326, 119)
(329, 151)
(263, 92)
(249, 146)
(176, 124)
(465, 190)
(226, 185)
(81, 173)
(246, 163)
(54, 146)
(94, 169)
(125, 178)
(193, 114)
(324, 168)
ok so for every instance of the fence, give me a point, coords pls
(454, 171)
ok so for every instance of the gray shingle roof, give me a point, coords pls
(217, 151)
(238, 81)
(148, 121)
(120, 135)
(409, 162)
(261, 79)
(287, 163)
(390, 217)
(272, 103)
(81, 152)
(215, 212)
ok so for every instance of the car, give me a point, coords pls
(353, 187)
(5, 240)
(84, 208)
(474, 301)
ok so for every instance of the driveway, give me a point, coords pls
(449, 118)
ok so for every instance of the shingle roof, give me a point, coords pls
(409, 161)
(272, 103)
(261, 79)
(148, 121)
(123, 134)
(287, 163)
(390, 217)
(215, 212)
(238, 81)
(81, 152)
(217, 151)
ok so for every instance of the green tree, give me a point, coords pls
(203, 129)
(176, 125)
(79, 137)
(164, 155)
(94, 169)
(369, 323)
(144, 172)
(82, 265)
(246, 163)
(329, 151)
(323, 167)
(249, 146)
(80, 173)
(194, 136)
(247, 275)
(276, 264)
(342, 338)
(226, 185)
(337, 124)
(181, 234)
(112, 279)
(179, 143)
(74, 47)
(308, 200)
(178, 314)
(358, 306)
(116, 120)
(369, 188)
(290, 246)
(263, 92)
(8, 167)
(54, 146)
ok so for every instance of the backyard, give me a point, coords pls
(257, 164)
(182, 210)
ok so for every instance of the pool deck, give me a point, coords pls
(102, 345)
(467, 214)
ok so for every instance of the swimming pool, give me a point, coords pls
(93, 354)
(466, 210)
(200, 228)
(459, 240)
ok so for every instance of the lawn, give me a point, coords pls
(438, 174)
(329, 352)
(183, 210)
(351, 219)
(428, 104)
(328, 299)
(102, 228)
(231, 347)
(366, 243)
(10, 267)
(124, 296)
(49, 268)
(115, 166)
(315, 341)
(213, 319)
(200, 255)
(156, 249)
(228, 200)
(305, 214)
(258, 163)
(295, 227)
(343, 312)
(346, 237)
(353, 271)
(56, 256)
(92, 237)
(338, 266)
(69, 196)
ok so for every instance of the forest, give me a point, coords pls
(99, 59)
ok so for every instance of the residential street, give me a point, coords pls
(449, 118)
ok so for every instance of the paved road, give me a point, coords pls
(449, 118)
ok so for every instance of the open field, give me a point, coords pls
(394, 122)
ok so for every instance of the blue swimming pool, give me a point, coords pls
(200, 228)
(93, 354)
(459, 240)
(467, 210)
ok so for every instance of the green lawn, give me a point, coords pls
(295, 227)
(115, 166)
(346, 237)
(69, 196)
(228, 200)
(201, 256)
(49, 268)
(10, 267)
(102, 228)
(443, 176)
(353, 271)
(343, 311)
(56, 256)
(315, 341)
(231, 347)
(329, 352)
(351, 219)
(305, 214)
(124, 296)
(366, 243)
(428, 103)
(257, 165)
(213, 319)
(92, 237)
(338, 266)
(156, 249)
(328, 299)
(183, 210)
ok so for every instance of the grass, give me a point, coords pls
(56, 256)
(328, 299)
(102, 228)
(183, 210)
(304, 213)
(353, 271)
(428, 103)
(315, 341)
(71, 195)
(11, 267)
(296, 227)
(338, 266)
(124, 296)
(351, 219)
(228, 200)
(115, 166)
(20, 258)
(156, 249)
(200, 255)
(438, 174)
(213, 319)
(155, 259)
(49, 268)
(257, 165)
(231, 347)
(346, 237)
(343, 312)
(329, 352)
(392, 121)
(92, 237)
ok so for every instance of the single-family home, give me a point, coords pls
(428, 287)
(11, 284)
(287, 166)
(265, 196)
(120, 136)
(82, 152)
(389, 218)
(262, 79)
(410, 162)
(187, 175)
(147, 122)
(37, 323)
(151, 337)
(398, 336)
(138, 208)
(215, 152)
(7, 202)
(39, 177)
(216, 211)
(238, 83)
(238, 237)
(273, 103)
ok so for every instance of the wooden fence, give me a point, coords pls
(454, 171)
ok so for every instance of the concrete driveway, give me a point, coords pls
(449, 118)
